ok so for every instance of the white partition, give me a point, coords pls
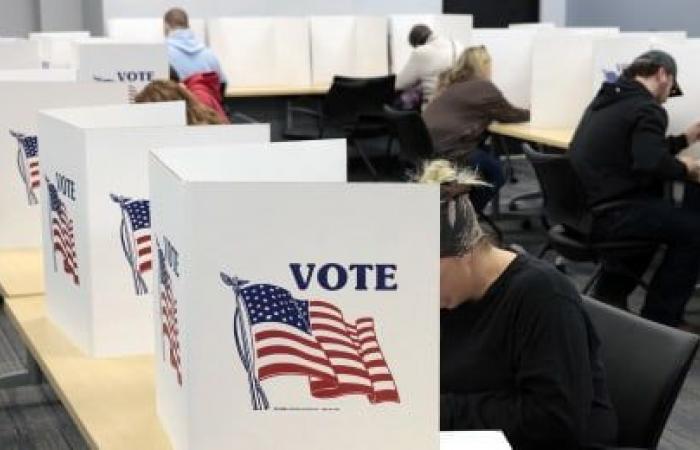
(466, 440)
(532, 26)
(658, 35)
(348, 45)
(38, 75)
(21, 154)
(453, 26)
(56, 49)
(134, 64)
(296, 269)
(19, 54)
(511, 60)
(99, 256)
(263, 51)
(147, 29)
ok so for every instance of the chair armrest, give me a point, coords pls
(303, 110)
(608, 206)
(240, 117)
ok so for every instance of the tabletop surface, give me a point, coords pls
(272, 91)
(21, 273)
(552, 137)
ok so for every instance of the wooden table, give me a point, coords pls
(276, 91)
(21, 273)
(112, 401)
(551, 137)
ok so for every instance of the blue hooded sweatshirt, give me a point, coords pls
(188, 56)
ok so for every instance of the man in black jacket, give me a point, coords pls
(621, 153)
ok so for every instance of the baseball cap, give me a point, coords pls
(662, 59)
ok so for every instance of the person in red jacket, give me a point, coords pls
(206, 87)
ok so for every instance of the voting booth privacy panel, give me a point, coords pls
(147, 29)
(110, 61)
(21, 152)
(293, 314)
(355, 46)
(19, 54)
(38, 75)
(456, 27)
(273, 51)
(56, 49)
(97, 244)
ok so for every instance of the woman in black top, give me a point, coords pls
(518, 352)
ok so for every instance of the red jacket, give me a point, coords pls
(206, 87)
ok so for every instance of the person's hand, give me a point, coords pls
(693, 133)
(692, 166)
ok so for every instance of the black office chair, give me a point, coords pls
(351, 109)
(570, 218)
(646, 364)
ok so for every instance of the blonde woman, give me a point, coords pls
(457, 119)
(518, 352)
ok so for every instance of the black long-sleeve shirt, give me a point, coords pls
(525, 359)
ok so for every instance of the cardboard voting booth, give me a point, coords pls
(294, 312)
(97, 242)
(353, 46)
(110, 61)
(457, 27)
(481, 440)
(511, 60)
(263, 51)
(21, 152)
(19, 54)
(147, 29)
(532, 26)
(38, 75)
(56, 49)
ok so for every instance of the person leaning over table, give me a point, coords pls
(457, 119)
(170, 91)
(621, 154)
(518, 352)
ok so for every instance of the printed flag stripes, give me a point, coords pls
(135, 234)
(168, 317)
(28, 164)
(62, 233)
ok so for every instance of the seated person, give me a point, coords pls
(170, 91)
(206, 88)
(187, 55)
(431, 56)
(518, 352)
(457, 119)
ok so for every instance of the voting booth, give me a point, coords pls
(97, 243)
(262, 51)
(19, 54)
(38, 75)
(56, 49)
(457, 27)
(511, 60)
(21, 152)
(147, 29)
(133, 64)
(354, 46)
(292, 313)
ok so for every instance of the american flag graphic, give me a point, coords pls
(62, 234)
(135, 235)
(28, 164)
(313, 339)
(168, 318)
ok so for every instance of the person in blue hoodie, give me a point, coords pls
(187, 55)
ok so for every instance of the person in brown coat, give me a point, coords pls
(457, 119)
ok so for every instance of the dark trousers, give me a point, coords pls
(489, 169)
(674, 281)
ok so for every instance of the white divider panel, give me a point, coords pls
(511, 60)
(38, 75)
(110, 61)
(532, 26)
(56, 49)
(452, 26)
(658, 36)
(147, 29)
(481, 440)
(348, 45)
(263, 259)
(21, 155)
(99, 268)
(263, 51)
(19, 54)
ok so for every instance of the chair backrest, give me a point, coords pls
(563, 195)
(413, 136)
(348, 98)
(646, 364)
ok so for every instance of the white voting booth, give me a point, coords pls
(97, 242)
(355, 46)
(21, 153)
(38, 75)
(292, 313)
(147, 29)
(56, 49)
(457, 27)
(262, 51)
(110, 61)
(511, 60)
(477, 440)
(19, 54)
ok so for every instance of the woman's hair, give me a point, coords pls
(419, 35)
(169, 91)
(472, 63)
(460, 231)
